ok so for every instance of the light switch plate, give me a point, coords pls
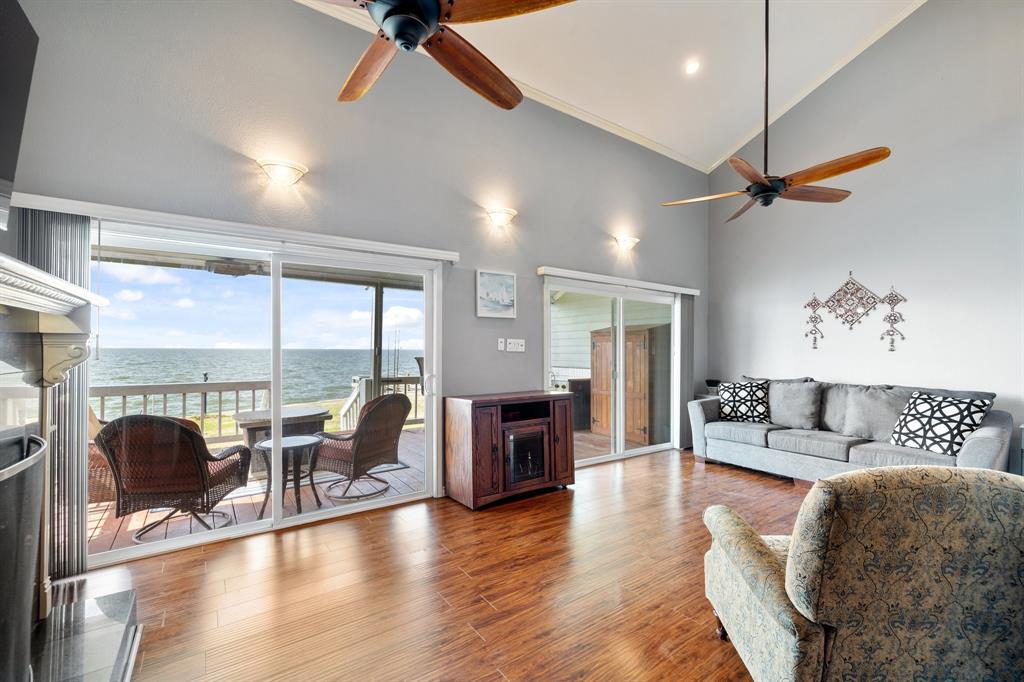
(501, 344)
(516, 345)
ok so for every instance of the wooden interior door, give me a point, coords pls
(636, 388)
(602, 359)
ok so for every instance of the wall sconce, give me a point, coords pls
(626, 243)
(282, 172)
(501, 217)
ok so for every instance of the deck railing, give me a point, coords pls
(410, 386)
(214, 404)
(205, 402)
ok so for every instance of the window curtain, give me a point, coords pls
(59, 244)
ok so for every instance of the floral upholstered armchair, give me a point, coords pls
(895, 573)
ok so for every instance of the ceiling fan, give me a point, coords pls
(407, 24)
(764, 188)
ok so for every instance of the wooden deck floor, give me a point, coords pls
(587, 444)
(107, 532)
(601, 581)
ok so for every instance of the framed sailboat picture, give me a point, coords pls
(495, 294)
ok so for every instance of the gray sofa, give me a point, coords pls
(821, 429)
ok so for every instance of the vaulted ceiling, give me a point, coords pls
(621, 65)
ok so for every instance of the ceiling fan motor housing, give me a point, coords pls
(407, 22)
(765, 194)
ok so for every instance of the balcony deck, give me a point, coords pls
(107, 532)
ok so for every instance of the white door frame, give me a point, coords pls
(618, 293)
(277, 246)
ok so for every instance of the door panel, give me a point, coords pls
(561, 433)
(636, 387)
(601, 361)
(486, 477)
(527, 456)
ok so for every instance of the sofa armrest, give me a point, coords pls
(701, 413)
(988, 447)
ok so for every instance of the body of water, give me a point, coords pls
(309, 375)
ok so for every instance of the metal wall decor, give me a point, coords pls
(814, 320)
(893, 318)
(850, 304)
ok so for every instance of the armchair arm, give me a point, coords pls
(345, 435)
(701, 413)
(755, 564)
(988, 447)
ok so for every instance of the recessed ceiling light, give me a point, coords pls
(692, 66)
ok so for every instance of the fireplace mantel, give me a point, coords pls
(27, 287)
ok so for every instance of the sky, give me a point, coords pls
(155, 307)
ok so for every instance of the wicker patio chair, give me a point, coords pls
(163, 462)
(373, 442)
(101, 478)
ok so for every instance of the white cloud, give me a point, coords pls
(117, 313)
(142, 274)
(227, 293)
(175, 332)
(401, 317)
(329, 320)
(185, 303)
(129, 295)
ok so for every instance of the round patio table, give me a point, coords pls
(293, 448)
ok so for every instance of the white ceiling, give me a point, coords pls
(619, 65)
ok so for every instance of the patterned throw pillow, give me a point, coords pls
(743, 402)
(938, 424)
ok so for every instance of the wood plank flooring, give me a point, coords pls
(601, 581)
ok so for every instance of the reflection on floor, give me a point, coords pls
(587, 444)
(108, 532)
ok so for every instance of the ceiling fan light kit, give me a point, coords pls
(408, 24)
(764, 188)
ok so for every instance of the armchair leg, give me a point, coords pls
(720, 630)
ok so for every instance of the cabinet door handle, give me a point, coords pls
(494, 466)
(556, 439)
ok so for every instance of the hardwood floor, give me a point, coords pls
(587, 444)
(601, 581)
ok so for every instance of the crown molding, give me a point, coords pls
(360, 19)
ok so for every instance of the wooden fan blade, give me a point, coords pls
(743, 209)
(836, 167)
(466, 63)
(823, 195)
(369, 68)
(707, 198)
(467, 11)
(746, 171)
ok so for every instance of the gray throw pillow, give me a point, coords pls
(872, 411)
(795, 404)
(785, 381)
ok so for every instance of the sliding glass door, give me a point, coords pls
(237, 389)
(615, 349)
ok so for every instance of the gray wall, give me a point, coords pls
(163, 106)
(941, 219)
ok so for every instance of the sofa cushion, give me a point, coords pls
(745, 401)
(875, 454)
(741, 432)
(872, 411)
(814, 443)
(778, 545)
(947, 393)
(795, 405)
(937, 423)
